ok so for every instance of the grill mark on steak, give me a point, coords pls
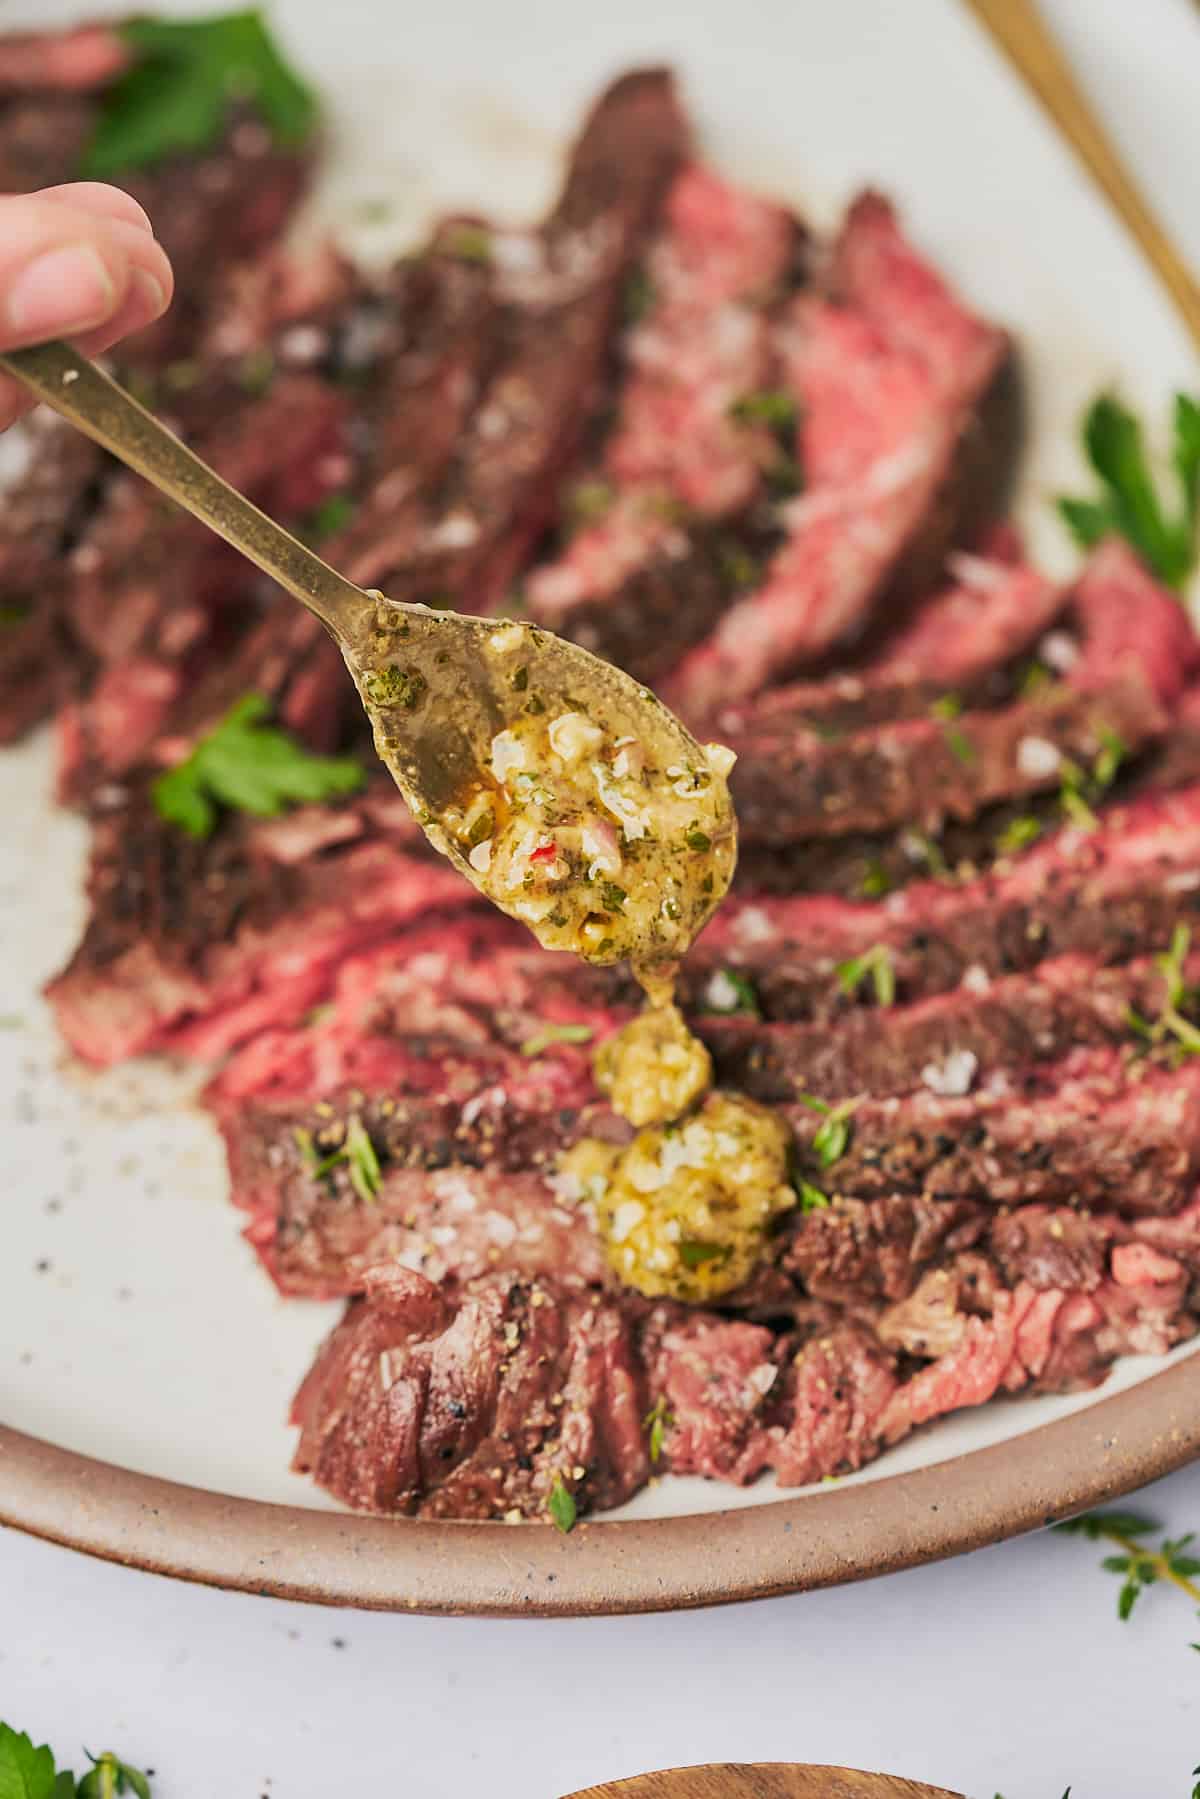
(790, 784)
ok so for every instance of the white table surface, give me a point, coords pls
(1003, 1672)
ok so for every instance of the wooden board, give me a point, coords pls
(763, 1780)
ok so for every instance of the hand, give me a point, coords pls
(78, 261)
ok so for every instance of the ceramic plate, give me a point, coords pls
(138, 1339)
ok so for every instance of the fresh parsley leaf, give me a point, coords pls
(541, 1041)
(108, 1776)
(27, 1772)
(561, 1506)
(251, 767)
(177, 95)
(1129, 502)
(875, 963)
(613, 897)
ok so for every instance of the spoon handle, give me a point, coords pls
(85, 395)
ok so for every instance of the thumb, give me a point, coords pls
(71, 271)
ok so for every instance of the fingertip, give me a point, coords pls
(102, 198)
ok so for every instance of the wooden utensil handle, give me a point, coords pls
(1018, 28)
(93, 402)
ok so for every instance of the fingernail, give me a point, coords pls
(64, 290)
(151, 291)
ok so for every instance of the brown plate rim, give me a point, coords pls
(839, 1534)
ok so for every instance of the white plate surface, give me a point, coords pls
(134, 1324)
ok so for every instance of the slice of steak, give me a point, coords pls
(836, 1392)
(791, 784)
(560, 290)
(1091, 1131)
(481, 1406)
(1125, 619)
(194, 944)
(50, 475)
(711, 1380)
(946, 1043)
(650, 575)
(888, 381)
(1108, 893)
(77, 60)
(859, 1253)
(963, 641)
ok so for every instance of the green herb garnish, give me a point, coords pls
(745, 995)
(550, 1034)
(561, 1506)
(1129, 502)
(948, 706)
(1073, 797)
(256, 371)
(638, 297)
(657, 1422)
(877, 881)
(14, 612)
(811, 1198)
(831, 1139)
(875, 963)
(960, 745)
(588, 501)
(469, 243)
(250, 767)
(358, 1150)
(1018, 834)
(768, 406)
(613, 897)
(1139, 1567)
(334, 511)
(108, 1776)
(1109, 758)
(186, 76)
(27, 1772)
(697, 839)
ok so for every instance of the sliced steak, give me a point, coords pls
(1127, 620)
(711, 1380)
(648, 578)
(1109, 893)
(945, 1043)
(193, 945)
(859, 1253)
(476, 1407)
(1091, 1131)
(560, 291)
(888, 381)
(791, 783)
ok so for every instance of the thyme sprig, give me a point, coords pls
(1138, 1565)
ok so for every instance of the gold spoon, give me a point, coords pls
(439, 686)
